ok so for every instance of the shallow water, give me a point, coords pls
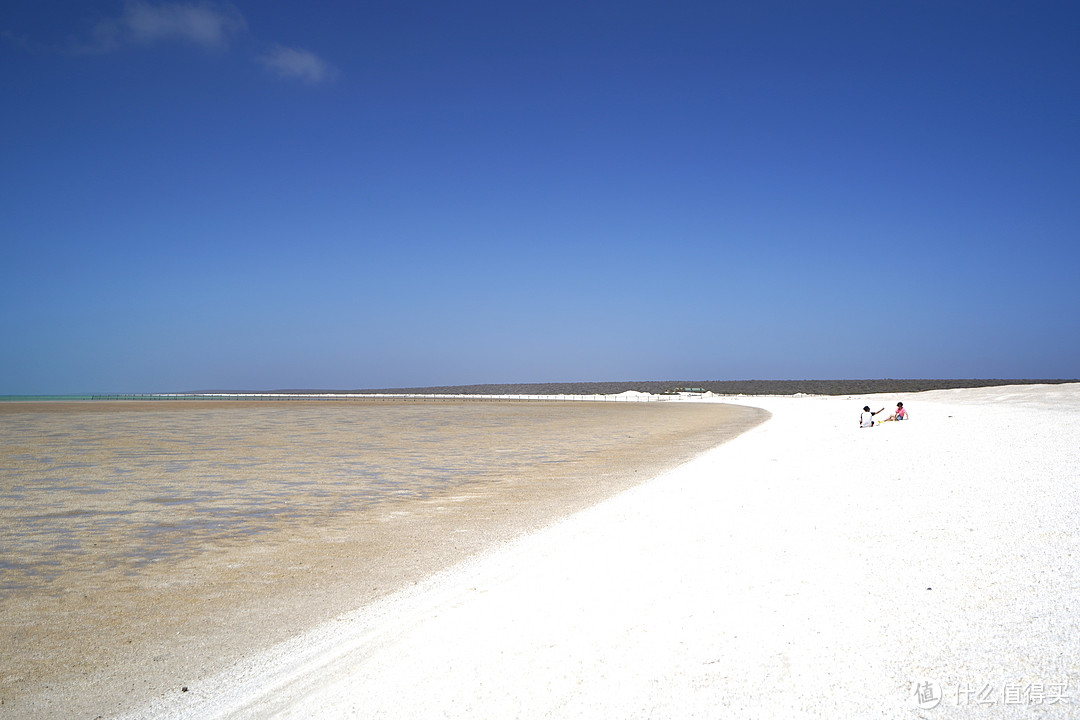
(164, 539)
(170, 481)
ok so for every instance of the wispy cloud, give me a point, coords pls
(300, 64)
(15, 40)
(206, 24)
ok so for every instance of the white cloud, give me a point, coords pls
(301, 64)
(207, 24)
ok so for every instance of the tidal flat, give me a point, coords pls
(147, 544)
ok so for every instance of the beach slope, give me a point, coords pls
(808, 568)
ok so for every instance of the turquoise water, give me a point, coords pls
(155, 396)
(43, 398)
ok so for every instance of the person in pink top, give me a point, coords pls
(900, 414)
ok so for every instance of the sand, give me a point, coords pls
(807, 568)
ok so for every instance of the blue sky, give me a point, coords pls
(331, 194)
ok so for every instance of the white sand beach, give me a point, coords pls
(808, 568)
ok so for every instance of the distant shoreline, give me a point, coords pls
(725, 387)
(652, 387)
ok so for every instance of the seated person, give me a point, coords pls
(866, 418)
(900, 414)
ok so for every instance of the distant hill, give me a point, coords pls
(721, 387)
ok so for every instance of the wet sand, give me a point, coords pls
(119, 625)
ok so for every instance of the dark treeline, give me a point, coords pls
(723, 387)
